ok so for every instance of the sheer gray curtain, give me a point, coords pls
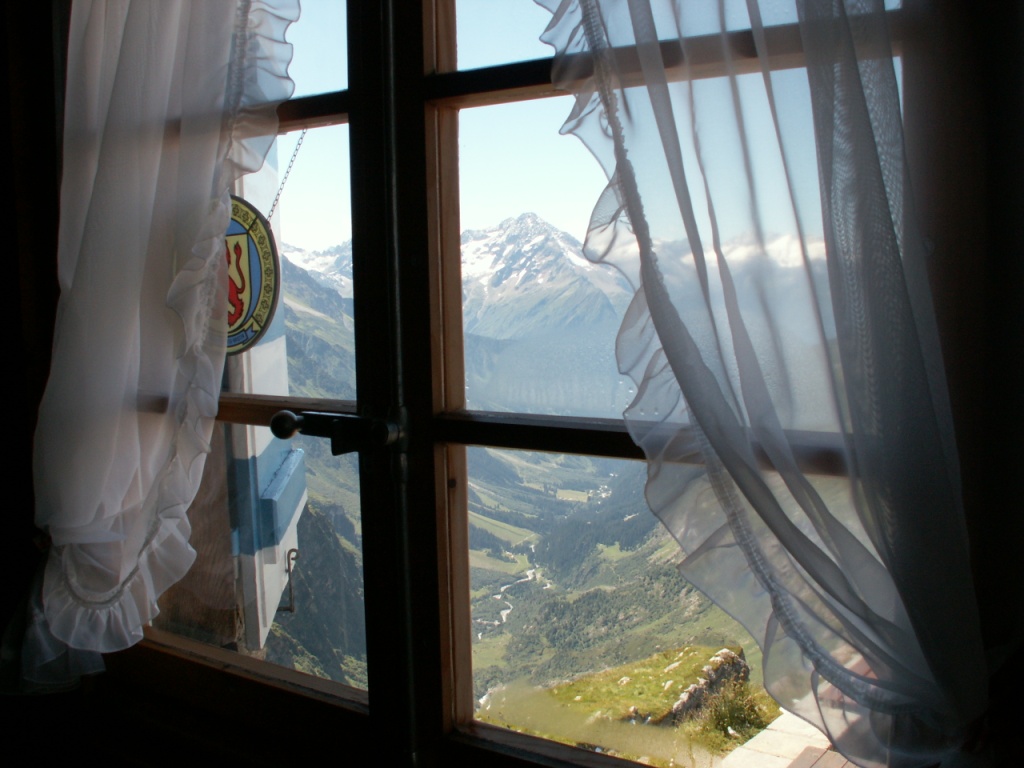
(168, 103)
(758, 200)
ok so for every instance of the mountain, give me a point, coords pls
(321, 341)
(525, 278)
(540, 322)
(569, 571)
(331, 267)
(522, 278)
(326, 636)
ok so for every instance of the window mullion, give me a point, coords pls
(313, 111)
(393, 307)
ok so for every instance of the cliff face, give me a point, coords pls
(326, 635)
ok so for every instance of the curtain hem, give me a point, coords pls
(74, 616)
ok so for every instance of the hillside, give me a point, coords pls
(570, 573)
(635, 710)
(594, 586)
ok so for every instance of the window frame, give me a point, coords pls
(402, 114)
(169, 705)
(402, 109)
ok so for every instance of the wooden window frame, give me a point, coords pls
(169, 704)
(402, 110)
(402, 113)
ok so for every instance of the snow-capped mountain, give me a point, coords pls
(526, 278)
(540, 320)
(521, 278)
(331, 267)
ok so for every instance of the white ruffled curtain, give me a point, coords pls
(168, 103)
(760, 205)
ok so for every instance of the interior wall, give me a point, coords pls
(28, 165)
(964, 110)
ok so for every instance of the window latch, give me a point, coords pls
(289, 568)
(347, 432)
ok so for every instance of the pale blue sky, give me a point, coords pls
(512, 157)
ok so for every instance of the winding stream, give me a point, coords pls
(531, 575)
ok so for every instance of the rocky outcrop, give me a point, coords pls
(724, 667)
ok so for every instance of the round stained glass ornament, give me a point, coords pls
(254, 275)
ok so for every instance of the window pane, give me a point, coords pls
(583, 630)
(501, 31)
(320, 56)
(491, 32)
(277, 525)
(540, 320)
(309, 350)
(278, 572)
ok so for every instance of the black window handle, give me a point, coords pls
(347, 432)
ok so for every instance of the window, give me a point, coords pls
(415, 363)
(410, 363)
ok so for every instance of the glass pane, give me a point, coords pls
(503, 31)
(278, 572)
(583, 630)
(320, 48)
(277, 524)
(540, 320)
(309, 349)
(491, 32)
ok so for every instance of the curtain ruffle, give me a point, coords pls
(119, 454)
(751, 348)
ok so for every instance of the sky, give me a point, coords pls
(513, 158)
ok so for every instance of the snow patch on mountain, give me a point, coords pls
(331, 267)
(526, 278)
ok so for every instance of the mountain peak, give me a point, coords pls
(525, 224)
(528, 219)
(521, 242)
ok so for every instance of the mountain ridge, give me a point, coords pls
(498, 263)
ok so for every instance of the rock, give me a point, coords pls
(723, 668)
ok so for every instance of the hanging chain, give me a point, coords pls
(288, 170)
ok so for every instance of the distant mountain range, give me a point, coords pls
(526, 279)
(539, 319)
(581, 567)
(331, 267)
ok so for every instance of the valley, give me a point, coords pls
(570, 573)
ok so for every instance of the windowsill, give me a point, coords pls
(502, 745)
(164, 703)
(174, 648)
